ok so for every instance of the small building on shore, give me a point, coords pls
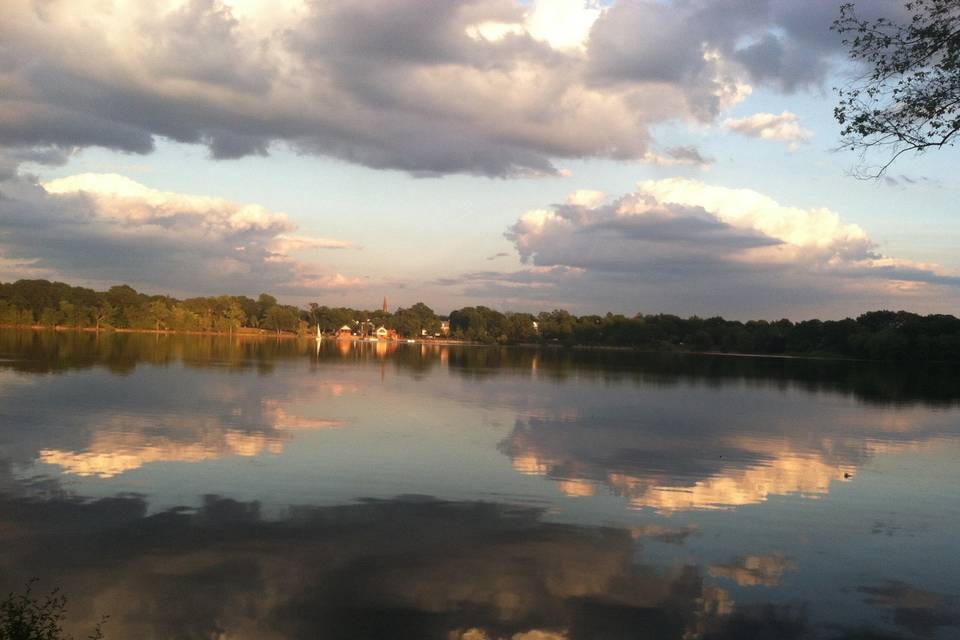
(382, 333)
(345, 331)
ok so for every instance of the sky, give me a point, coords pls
(620, 155)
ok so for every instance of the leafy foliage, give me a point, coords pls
(877, 335)
(25, 616)
(909, 99)
(55, 304)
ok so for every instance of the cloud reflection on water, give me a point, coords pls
(664, 432)
(670, 469)
(124, 443)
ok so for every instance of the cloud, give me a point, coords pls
(778, 43)
(128, 202)
(682, 245)
(119, 445)
(680, 222)
(228, 417)
(904, 181)
(564, 24)
(581, 441)
(768, 126)
(284, 244)
(488, 87)
(575, 452)
(685, 155)
(754, 570)
(107, 228)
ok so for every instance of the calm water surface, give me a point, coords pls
(195, 487)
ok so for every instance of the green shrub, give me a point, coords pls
(25, 616)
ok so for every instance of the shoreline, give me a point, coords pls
(248, 332)
(245, 332)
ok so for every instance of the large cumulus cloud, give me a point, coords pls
(685, 246)
(105, 228)
(492, 87)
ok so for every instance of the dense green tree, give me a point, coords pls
(102, 314)
(282, 318)
(48, 317)
(68, 315)
(158, 313)
(265, 302)
(235, 315)
(520, 328)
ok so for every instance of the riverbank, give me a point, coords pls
(251, 333)
(243, 332)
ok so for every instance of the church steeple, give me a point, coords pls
(385, 308)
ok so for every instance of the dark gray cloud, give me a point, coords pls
(688, 154)
(672, 237)
(780, 43)
(636, 233)
(904, 181)
(375, 83)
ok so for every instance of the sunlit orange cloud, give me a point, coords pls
(572, 487)
(123, 445)
(279, 418)
(531, 465)
(754, 570)
(577, 488)
(106, 458)
(780, 469)
(803, 474)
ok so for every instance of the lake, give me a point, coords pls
(203, 487)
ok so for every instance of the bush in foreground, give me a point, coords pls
(25, 616)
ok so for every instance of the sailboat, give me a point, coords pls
(319, 335)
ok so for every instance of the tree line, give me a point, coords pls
(56, 304)
(878, 335)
